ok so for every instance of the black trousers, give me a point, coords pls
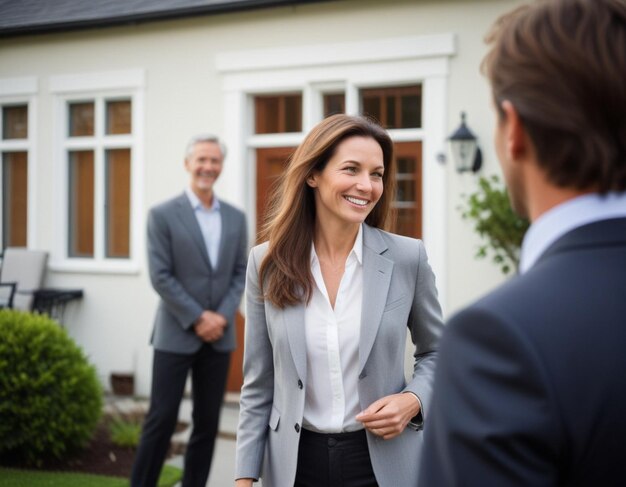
(334, 460)
(209, 370)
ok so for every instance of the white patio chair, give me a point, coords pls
(25, 269)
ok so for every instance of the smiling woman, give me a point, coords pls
(330, 297)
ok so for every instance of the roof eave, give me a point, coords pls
(149, 17)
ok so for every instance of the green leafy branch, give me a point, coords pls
(501, 229)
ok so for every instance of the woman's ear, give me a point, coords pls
(311, 181)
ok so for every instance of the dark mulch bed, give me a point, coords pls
(101, 456)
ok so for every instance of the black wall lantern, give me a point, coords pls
(465, 151)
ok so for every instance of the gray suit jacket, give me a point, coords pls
(398, 292)
(181, 273)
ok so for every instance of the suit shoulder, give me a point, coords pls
(259, 251)
(403, 250)
(230, 208)
(167, 205)
(400, 241)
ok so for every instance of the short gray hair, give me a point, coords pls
(206, 137)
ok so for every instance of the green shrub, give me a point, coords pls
(495, 221)
(50, 396)
(125, 433)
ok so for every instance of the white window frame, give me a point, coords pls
(99, 88)
(350, 66)
(22, 91)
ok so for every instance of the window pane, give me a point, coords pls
(391, 112)
(371, 107)
(277, 114)
(81, 119)
(293, 113)
(81, 207)
(267, 114)
(405, 189)
(118, 203)
(15, 122)
(118, 119)
(406, 165)
(411, 111)
(334, 103)
(14, 199)
(397, 107)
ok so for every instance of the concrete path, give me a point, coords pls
(223, 466)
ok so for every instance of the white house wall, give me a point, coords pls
(183, 93)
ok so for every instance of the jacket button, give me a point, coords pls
(297, 428)
(299, 384)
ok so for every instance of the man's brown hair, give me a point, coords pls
(562, 64)
(285, 272)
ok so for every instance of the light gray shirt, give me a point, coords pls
(574, 213)
(210, 221)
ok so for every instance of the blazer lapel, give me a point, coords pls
(187, 217)
(377, 272)
(293, 321)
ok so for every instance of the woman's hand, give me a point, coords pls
(243, 482)
(388, 416)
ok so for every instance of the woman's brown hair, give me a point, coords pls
(285, 273)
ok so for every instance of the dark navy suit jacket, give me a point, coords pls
(530, 387)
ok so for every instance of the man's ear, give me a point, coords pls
(516, 136)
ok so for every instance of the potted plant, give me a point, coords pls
(501, 229)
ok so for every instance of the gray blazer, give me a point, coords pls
(398, 293)
(181, 273)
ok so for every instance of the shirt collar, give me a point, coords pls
(197, 204)
(357, 249)
(558, 221)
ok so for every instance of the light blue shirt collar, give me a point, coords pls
(196, 203)
(210, 223)
(561, 219)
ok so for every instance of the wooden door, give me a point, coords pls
(408, 203)
(270, 163)
(235, 372)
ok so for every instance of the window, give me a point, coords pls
(334, 103)
(394, 108)
(14, 158)
(277, 114)
(98, 148)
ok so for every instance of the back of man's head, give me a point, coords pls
(562, 64)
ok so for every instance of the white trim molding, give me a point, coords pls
(348, 67)
(362, 52)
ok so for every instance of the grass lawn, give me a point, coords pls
(22, 478)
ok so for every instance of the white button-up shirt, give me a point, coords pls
(332, 341)
(210, 221)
